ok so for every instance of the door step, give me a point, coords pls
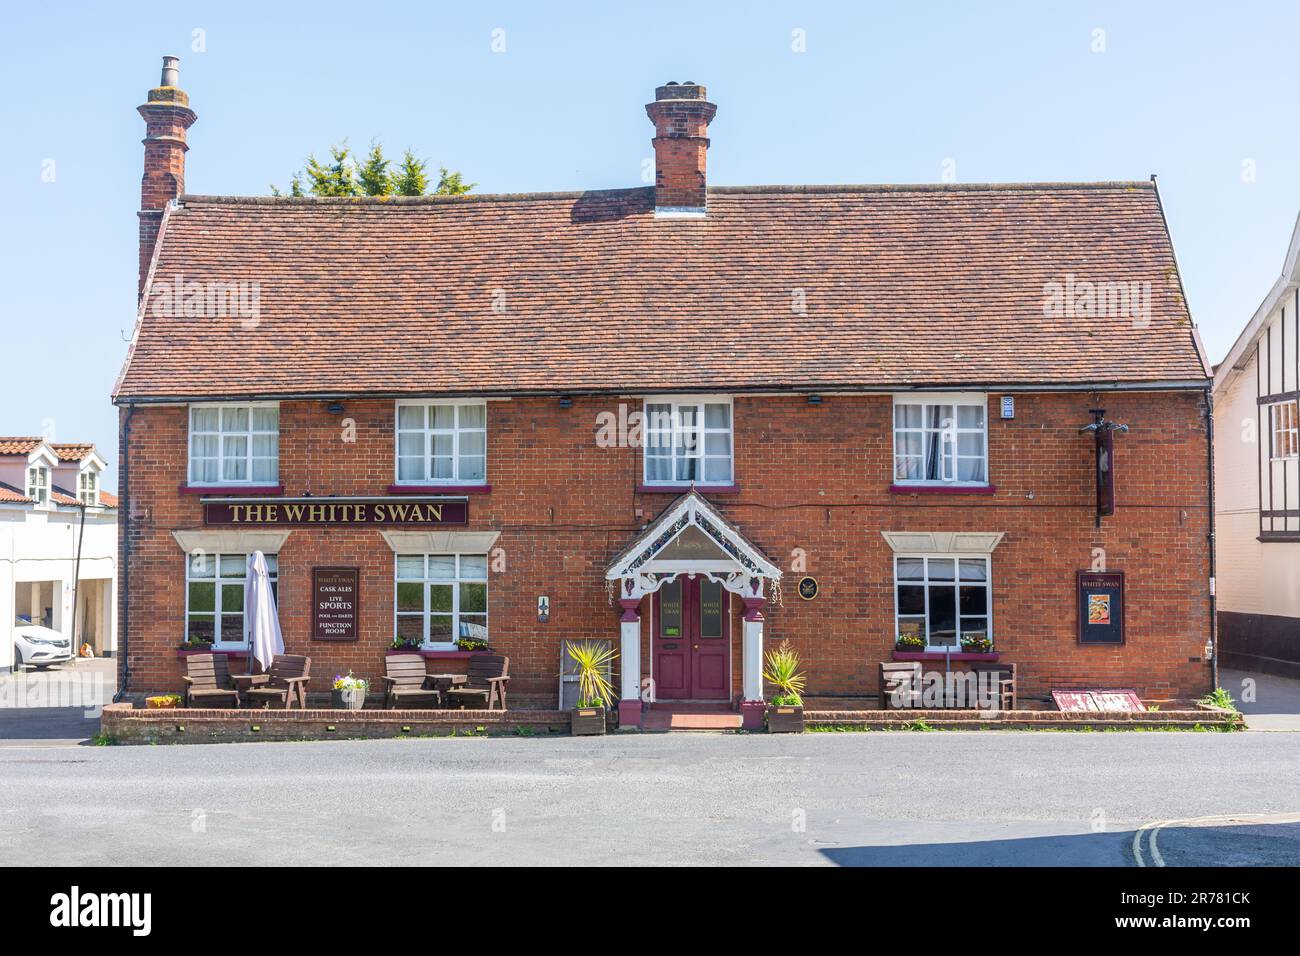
(676, 720)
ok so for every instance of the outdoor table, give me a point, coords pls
(246, 682)
(445, 682)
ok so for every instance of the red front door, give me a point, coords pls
(691, 649)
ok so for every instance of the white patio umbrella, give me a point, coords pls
(260, 614)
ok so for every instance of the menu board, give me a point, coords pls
(335, 600)
(1101, 607)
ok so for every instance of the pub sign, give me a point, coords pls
(1101, 607)
(404, 510)
(335, 594)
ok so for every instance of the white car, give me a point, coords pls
(38, 646)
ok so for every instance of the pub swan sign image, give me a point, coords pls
(808, 588)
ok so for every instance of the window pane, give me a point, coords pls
(970, 444)
(688, 469)
(234, 566)
(943, 616)
(974, 627)
(472, 416)
(410, 566)
(974, 600)
(201, 565)
(670, 609)
(710, 609)
(264, 469)
(473, 567)
(907, 468)
(442, 416)
(205, 470)
(410, 469)
(266, 419)
(717, 469)
(939, 416)
(440, 597)
(200, 627)
(970, 469)
(272, 564)
(473, 597)
(717, 416)
(232, 628)
(911, 569)
(410, 596)
(719, 444)
(203, 596)
(942, 569)
(410, 416)
(440, 628)
(970, 416)
(235, 469)
(474, 626)
(234, 419)
(472, 443)
(974, 569)
(441, 468)
(472, 468)
(232, 598)
(442, 567)
(203, 446)
(911, 599)
(911, 627)
(907, 416)
(410, 627)
(204, 419)
(658, 468)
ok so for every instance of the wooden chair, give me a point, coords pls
(488, 674)
(286, 681)
(406, 683)
(902, 677)
(1005, 675)
(207, 682)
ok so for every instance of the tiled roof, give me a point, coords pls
(778, 287)
(8, 493)
(73, 452)
(61, 496)
(19, 446)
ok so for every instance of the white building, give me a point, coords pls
(1257, 479)
(51, 507)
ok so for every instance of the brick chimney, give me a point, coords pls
(167, 115)
(681, 115)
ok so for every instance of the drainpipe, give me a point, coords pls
(124, 555)
(76, 578)
(1214, 633)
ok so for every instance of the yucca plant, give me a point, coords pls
(781, 670)
(593, 659)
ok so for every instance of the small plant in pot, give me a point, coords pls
(407, 644)
(781, 669)
(592, 660)
(163, 702)
(976, 645)
(349, 692)
(909, 642)
(471, 644)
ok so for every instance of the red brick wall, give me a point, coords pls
(814, 478)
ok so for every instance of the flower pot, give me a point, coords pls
(353, 699)
(161, 703)
(588, 721)
(784, 719)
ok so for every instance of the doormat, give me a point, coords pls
(1098, 701)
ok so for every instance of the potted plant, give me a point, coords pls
(471, 644)
(406, 644)
(785, 709)
(196, 644)
(909, 642)
(594, 689)
(349, 692)
(976, 645)
(163, 702)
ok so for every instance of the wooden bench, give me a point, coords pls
(901, 677)
(285, 682)
(1005, 676)
(207, 682)
(406, 683)
(485, 684)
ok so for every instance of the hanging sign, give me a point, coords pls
(1101, 607)
(336, 595)
(808, 588)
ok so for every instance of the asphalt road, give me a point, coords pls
(903, 798)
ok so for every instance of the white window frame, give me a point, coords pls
(88, 487)
(925, 582)
(1288, 434)
(249, 434)
(699, 439)
(216, 580)
(428, 431)
(38, 484)
(927, 400)
(427, 581)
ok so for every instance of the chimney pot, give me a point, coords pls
(681, 113)
(171, 71)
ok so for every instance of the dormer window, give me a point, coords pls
(88, 487)
(38, 484)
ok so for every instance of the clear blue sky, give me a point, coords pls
(1010, 92)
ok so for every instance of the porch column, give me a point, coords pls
(629, 704)
(752, 705)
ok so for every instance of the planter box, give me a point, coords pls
(348, 699)
(785, 719)
(161, 703)
(588, 721)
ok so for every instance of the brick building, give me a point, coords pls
(689, 419)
